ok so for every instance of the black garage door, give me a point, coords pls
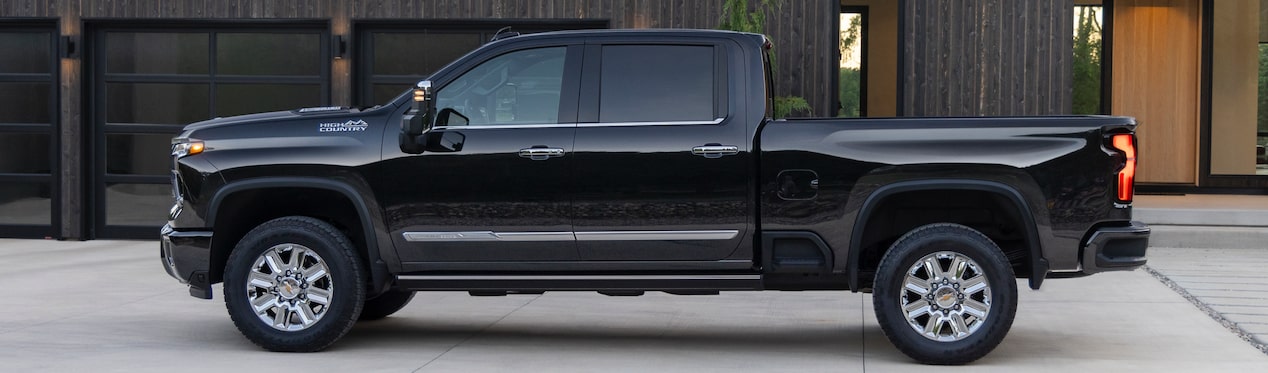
(28, 111)
(149, 82)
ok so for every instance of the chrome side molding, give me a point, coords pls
(474, 236)
(576, 277)
(486, 236)
(656, 235)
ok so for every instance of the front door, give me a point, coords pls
(662, 168)
(502, 193)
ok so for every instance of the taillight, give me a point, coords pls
(1126, 143)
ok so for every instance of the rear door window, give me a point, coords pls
(657, 83)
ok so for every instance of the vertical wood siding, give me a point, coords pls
(987, 57)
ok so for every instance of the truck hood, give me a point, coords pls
(275, 116)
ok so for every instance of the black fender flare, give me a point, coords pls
(379, 272)
(1038, 265)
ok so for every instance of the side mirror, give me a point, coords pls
(448, 117)
(417, 121)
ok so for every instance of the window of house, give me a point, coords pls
(850, 78)
(1239, 87)
(1088, 51)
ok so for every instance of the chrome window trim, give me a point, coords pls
(579, 277)
(478, 236)
(670, 123)
(600, 124)
(510, 126)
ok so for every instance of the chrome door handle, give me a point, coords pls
(715, 150)
(541, 154)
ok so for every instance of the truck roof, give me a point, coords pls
(668, 32)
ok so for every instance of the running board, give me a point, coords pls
(580, 282)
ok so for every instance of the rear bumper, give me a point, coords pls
(187, 256)
(1116, 248)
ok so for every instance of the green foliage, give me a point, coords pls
(736, 16)
(1263, 88)
(1087, 62)
(849, 84)
(786, 105)
(850, 37)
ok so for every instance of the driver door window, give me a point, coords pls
(521, 87)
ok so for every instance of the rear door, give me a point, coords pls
(662, 167)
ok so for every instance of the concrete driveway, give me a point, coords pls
(108, 306)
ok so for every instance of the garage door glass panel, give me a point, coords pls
(268, 54)
(24, 153)
(236, 99)
(137, 204)
(157, 53)
(385, 92)
(24, 102)
(34, 56)
(419, 53)
(644, 83)
(25, 203)
(138, 154)
(156, 103)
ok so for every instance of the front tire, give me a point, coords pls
(945, 294)
(294, 284)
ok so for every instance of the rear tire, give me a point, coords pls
(945, 294)
(385, 305)
(294, 284)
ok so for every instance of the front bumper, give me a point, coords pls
(187, 256)
(1116, 248)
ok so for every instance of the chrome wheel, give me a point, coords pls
(289, 287)
(946, 297)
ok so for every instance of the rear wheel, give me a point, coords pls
(385, 305)
(945, 294)
(294, 284)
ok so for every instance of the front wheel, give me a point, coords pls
(945, 294)
(294, 284)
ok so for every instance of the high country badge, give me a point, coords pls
(354, 125)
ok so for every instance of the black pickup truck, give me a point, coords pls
(626, 161)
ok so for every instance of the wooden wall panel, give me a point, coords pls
(1156, 79)
(1234, 86)
(987, 57)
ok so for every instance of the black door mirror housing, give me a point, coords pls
(418, 120)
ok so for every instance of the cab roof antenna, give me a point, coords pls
(504, 33)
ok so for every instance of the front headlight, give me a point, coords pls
(182, 147)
